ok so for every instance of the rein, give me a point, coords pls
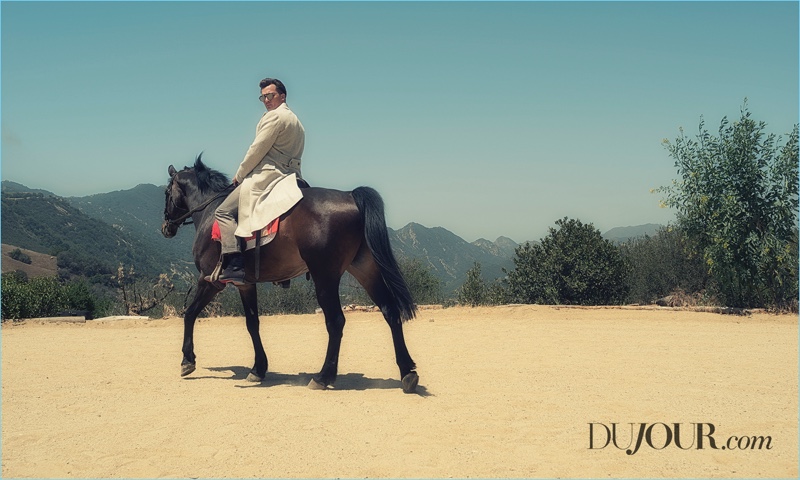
(182, 219)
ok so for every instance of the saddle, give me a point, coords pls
(288, 191)
(266, 235)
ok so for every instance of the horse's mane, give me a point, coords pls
(208, 179)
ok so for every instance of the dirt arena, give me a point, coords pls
(504, 392)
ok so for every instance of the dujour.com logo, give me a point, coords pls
(630, 437)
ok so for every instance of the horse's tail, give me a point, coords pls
(370, 204)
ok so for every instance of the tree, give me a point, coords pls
(573, 265)
(529, 282)
(299, 298)
(138, 295)
(737, 198)
(474, 291)
(79, 296)
(663, 264)
(425, 287)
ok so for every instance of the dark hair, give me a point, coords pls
(273, 81)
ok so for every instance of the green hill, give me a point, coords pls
(84, 245)
(139, 212)
(100, 231)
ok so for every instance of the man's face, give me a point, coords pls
(271, 98)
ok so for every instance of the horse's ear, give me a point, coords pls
(172, 171)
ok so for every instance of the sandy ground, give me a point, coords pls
(504, 392)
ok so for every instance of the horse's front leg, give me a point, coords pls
(204, 294)
(250, 302)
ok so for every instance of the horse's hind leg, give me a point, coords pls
(365, 270)
(408, 375)
(250, 302)
(204, 294)
(327, 289)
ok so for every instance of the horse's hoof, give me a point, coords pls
(187, 368)
(410, 382)
(251, 377)
(314, 385)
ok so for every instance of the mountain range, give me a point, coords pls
(124, 227)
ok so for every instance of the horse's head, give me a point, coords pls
(176, 208)
(189, 192)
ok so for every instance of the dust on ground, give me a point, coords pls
(504, 392)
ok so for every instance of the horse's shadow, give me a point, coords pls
(347, 381)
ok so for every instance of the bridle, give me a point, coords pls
(182, 219)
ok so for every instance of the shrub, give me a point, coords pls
(737, 198)
(18, 255)
(45, 296)
(663, 264)
(474, 291)
(573, 265)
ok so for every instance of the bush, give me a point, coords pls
(474, 291)
(44, 297)
(79, 296)
(737, 198)
(14, 297)
(425, 287)
(664, 264)
(573, 265)
(299, 298)
(18, 255)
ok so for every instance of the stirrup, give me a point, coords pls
(233, 269)
(214, 277)
(237, 281)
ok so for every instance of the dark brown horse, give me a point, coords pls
(325, 234)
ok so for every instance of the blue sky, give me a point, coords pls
(484, 118)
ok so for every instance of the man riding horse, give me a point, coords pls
(322, 232)
(274, 154)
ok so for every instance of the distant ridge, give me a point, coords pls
(14, 187)
(450, 256)
(623, 234)
(131, 221)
